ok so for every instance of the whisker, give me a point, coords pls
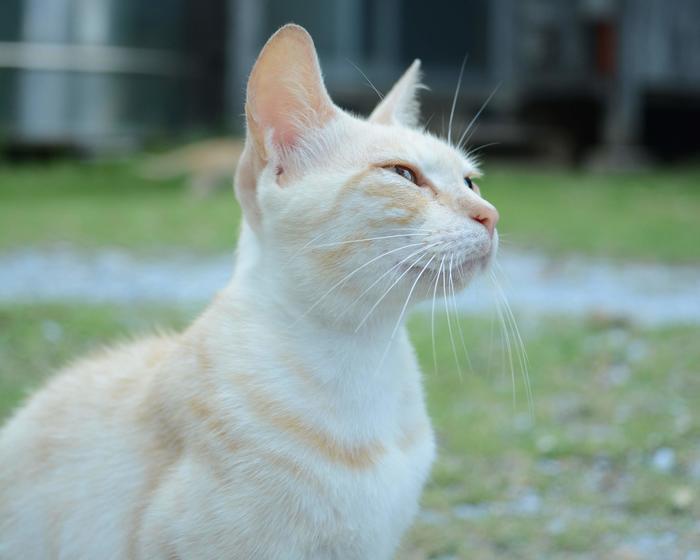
(489, 363)
(334, 230)
(478, 114)
(373, 284)
(521, 354)
(348, 276)
(457, 316)
(364, 319)
(449, 325)
(479, 148)
(454, 99)
(408, 298)
(512, 316)
(379, 93)
(427, 123)
(432, 313)
(472, 133)
(506, 338)
(310, 242)
(403, 311)
(315, 238)
(367, 239)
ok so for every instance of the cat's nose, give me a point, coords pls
(484, 213)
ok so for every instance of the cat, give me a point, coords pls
(206, 164)
(288, 421)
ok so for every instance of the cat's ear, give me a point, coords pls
(400, 105)
(286, 96)
(285, 100)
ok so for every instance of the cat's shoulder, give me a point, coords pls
(107, 374)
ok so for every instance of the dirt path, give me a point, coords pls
(647, 293)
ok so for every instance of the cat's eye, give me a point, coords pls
(468, 182)
(406, 173)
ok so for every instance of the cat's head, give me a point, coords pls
(351, 214)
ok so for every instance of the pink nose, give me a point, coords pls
(485, 214)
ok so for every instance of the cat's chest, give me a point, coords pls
(372, 508)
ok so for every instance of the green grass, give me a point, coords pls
(110, 203)
(576, 478)
(641, 216)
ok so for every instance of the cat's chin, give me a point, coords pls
(462, 271)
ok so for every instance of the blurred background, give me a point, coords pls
(574, 76)
(120, 126)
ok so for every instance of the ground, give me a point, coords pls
(607, 463)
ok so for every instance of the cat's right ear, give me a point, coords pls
(285, 100)
(400, 105)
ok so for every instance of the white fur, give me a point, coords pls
(273, 427)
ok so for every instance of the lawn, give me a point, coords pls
(649, 216)
(608, 464)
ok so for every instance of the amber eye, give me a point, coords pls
(406, 173)
(468, 182)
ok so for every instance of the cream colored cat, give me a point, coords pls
(288, 422)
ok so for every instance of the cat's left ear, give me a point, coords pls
(400, 105)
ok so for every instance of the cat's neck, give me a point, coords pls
(364, 371)
(322, 310)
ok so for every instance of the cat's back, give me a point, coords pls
(93, 417)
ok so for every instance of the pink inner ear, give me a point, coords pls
(286, 94)
(285, 135)
(277, 111)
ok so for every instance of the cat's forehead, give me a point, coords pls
(419, 148)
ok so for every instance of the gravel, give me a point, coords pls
(534, 284)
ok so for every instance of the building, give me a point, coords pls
(571, 75)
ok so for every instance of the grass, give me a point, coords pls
(578, 477)
(110, 203)
(642, 216)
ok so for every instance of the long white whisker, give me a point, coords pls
(408, 298)
(427, 123)
(397, 265)
(490, 354)
(381, 298)
(478, 114)
(315, 238)
(351, 274)
(479, 148)
(512, 316)
(432, 313)
(379, 93)
(457, 318)
(403, 311)
(464, 140)
(334, 230)
(506, 337)
(368, 239)
(449, 324)
(521, 354)
(454, 100)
